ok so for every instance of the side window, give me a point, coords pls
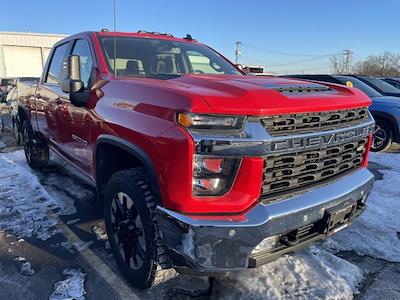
(58, 65)
(82, 49)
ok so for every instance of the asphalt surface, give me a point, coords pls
(103, 279)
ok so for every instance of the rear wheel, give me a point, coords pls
(129, 207)
(36, 152)
(382, 137)
(1, 124)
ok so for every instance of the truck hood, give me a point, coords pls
(255, 95)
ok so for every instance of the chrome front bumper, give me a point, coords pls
(223, 245)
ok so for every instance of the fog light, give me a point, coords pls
(213, 176)
(266, 244)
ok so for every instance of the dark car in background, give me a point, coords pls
(385, 109)
(380, 85)
(393, 81)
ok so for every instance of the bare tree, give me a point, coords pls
(386, 64)
(341, 63)
(338, 64)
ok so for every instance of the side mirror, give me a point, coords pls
(73, 83)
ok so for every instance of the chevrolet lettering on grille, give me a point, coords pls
(320, 141)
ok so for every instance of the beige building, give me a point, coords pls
(25, 53)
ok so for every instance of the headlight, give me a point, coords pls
(213, 176)
(215, 122)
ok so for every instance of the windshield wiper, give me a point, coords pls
(164, 75)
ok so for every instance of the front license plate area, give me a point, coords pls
(339, 217)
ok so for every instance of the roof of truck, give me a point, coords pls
(145, 34)
(139, 34)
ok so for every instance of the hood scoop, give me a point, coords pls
(293, 89)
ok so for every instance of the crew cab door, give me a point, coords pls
(50, 99)
(68, 127)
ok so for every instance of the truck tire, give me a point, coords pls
(382, 137)
(129, 212)
(16, 130)
(36, 152)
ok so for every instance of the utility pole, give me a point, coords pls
(237, 52)
(348, 56)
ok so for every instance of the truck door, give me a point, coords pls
(77, 122)
(49, 97)
(68, 127)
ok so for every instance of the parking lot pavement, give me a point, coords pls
(51, 232)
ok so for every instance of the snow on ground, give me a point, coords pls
(375, 233)
(25, 205)
(70, 288)
(314, 273)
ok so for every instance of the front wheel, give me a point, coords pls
(129, 206)
(382, 137)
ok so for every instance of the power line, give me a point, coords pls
(296, 62)
(285, 53)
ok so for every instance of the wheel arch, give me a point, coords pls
(137, 158)
(391, 120)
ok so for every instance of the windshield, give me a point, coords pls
(382, 85)
(360, 85)
(156, 58)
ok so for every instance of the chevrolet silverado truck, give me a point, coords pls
(199, 167)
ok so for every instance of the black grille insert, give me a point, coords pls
(313, 122)
(287, 172)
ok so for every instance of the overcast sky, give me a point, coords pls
(285, 36)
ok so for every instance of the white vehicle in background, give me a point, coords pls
(9, 104)
(256, 70)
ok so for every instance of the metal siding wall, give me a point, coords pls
(34, 40)
(2, 63)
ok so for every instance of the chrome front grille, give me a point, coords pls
(291, 124)
(286, 173)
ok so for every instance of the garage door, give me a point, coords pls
(45, 54)
(22, 61)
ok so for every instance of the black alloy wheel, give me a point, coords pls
(382, 137)
(128, 230)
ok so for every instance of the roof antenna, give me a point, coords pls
(115, 41)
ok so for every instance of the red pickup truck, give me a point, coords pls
(199, 167)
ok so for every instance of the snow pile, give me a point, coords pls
(375, 232)
(72, 288)
(25, 205)
(314, 274)
(26, 269)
